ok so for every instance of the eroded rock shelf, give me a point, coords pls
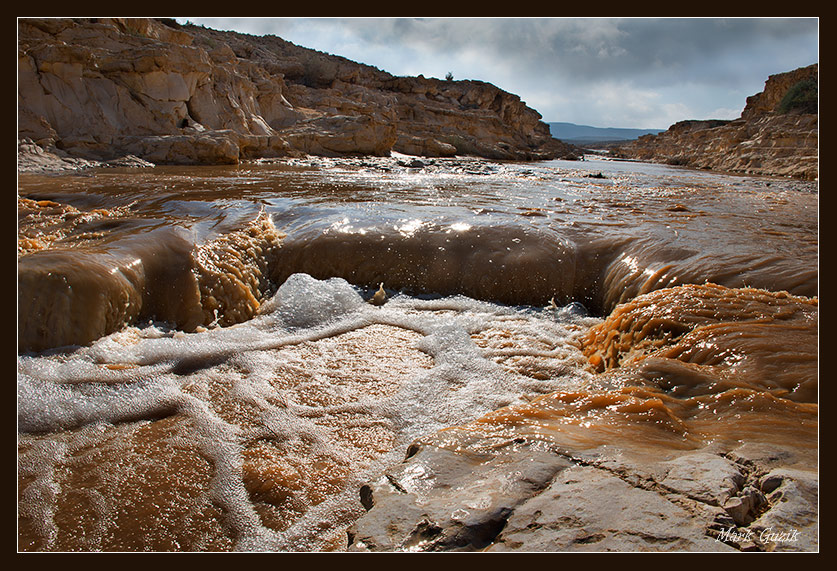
(101, 89)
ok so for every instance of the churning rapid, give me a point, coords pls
(224, 358)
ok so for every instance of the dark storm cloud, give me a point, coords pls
(592, 48)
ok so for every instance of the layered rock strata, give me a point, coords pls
(772, 137)
(99, 89)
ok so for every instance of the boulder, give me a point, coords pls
(342, 135)
(425, 147)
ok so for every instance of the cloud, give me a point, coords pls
(658, 67)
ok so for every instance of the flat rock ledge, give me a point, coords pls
(32, 158)
(528, 496)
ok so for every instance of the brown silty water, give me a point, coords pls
(198, 367)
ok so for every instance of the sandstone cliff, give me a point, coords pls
(775, 135)
(99, 89)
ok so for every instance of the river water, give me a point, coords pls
(201, 366)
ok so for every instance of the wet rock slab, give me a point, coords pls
(441, 499)
(522, 495)
(589, 509)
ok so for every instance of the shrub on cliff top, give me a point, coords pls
(802, 97)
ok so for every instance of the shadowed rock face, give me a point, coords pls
(773, 136)
(104, 88)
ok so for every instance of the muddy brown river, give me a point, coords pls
(201, 367)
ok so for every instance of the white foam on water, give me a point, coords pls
(45, 406)
(305, 302)
(149, 371)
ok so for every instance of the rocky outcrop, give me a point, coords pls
(519, 495)
(99, 89)
(777, 134)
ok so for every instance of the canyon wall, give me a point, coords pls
(104, 88)
(777, 134)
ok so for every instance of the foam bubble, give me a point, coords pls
(303, 301)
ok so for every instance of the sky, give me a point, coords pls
(606, 72)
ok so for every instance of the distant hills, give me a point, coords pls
(586, 135)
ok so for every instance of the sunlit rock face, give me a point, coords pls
(103, 88)
(772, 136)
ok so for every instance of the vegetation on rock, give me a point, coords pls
(802, 97)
